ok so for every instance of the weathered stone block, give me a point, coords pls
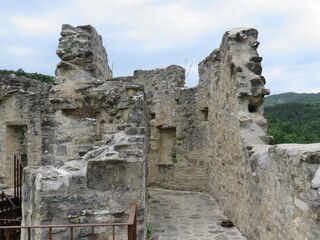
(316, 180)
(118, 175)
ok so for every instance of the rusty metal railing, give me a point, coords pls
(131, 224)
(8, 209)
(18, 171)
(8, 214)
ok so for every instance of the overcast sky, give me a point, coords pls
(146, 34)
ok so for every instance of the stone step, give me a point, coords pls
(127, 147)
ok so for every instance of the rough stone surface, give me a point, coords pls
(80, 48)
(280, 184)
(91, 162)
(265, 190)
(178, 124)
(316, 180)
(22, 103)
(94, 144)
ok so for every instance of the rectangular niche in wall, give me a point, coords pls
(16, 142)
(204, 114)
(167, 145)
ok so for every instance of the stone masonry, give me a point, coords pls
(95, 143)
(21, 104)
(178, 125)
(93, 140)
(266, 190)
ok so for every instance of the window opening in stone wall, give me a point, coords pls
(153, 115)
(204, 114)
(17, 142)
(168, 153)
(253, 108)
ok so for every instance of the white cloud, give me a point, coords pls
(161, 24)
(288, 29)
(2, 32)
(293, 78)
(296, 30)
(34, 26)
(158, 25)
(19, 51)
(165, 24)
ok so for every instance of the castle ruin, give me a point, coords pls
(95, 143)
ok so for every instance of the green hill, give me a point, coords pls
(294, 122)
(37, 76)
(290, 97)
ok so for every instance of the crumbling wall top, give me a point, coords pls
(80, 48)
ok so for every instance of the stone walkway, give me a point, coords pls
(181, 215)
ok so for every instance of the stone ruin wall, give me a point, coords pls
(94, 142)
(21, 104)
(266, 190)
(178, 124)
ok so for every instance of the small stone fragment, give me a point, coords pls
(226, 223)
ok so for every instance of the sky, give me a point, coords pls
(147, 34)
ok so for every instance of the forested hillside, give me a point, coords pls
(294, 122)
(291, 97)
(36, 76)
